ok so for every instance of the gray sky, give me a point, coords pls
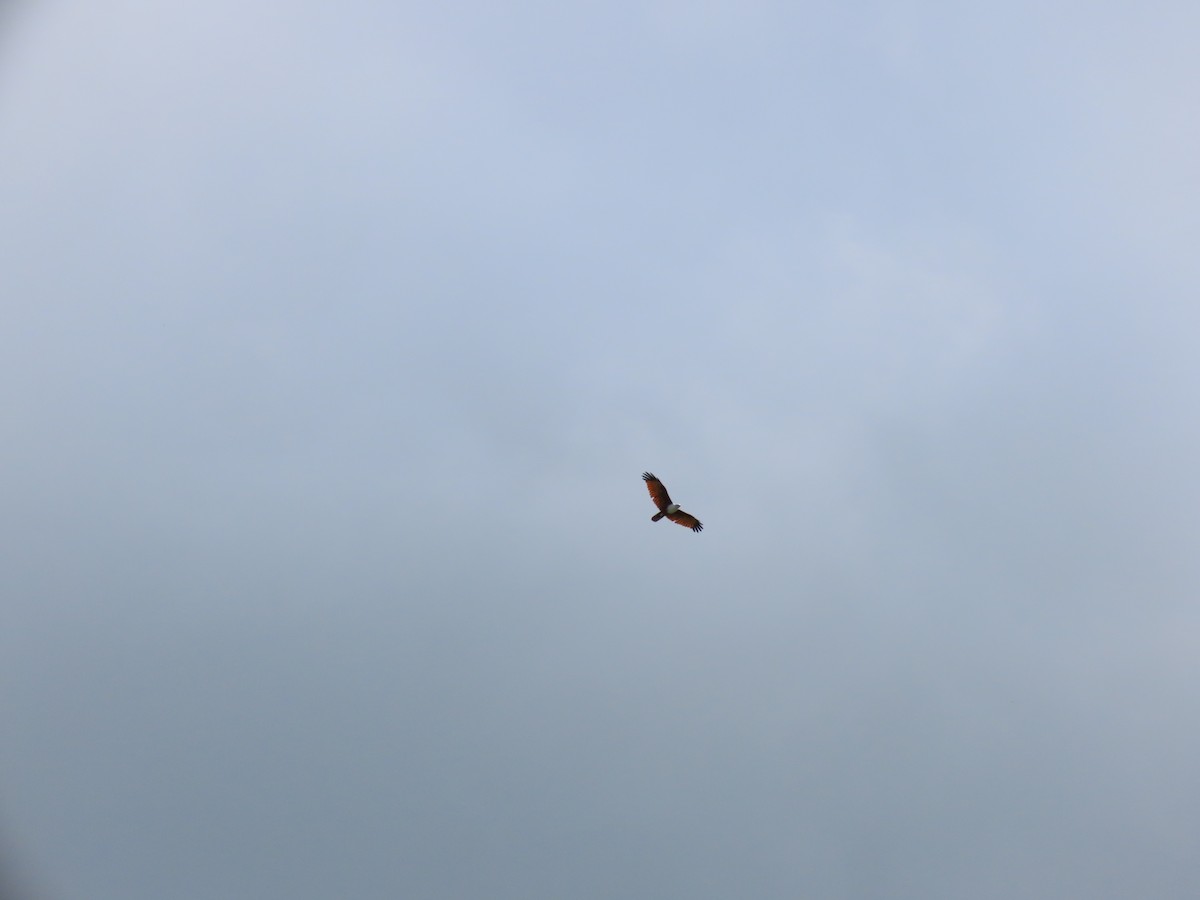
(335, 339)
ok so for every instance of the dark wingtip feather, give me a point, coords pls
(648, 476)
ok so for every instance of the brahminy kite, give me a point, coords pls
(658, 493)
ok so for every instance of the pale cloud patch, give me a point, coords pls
(925, 306)
(710, 23)
(862, 319)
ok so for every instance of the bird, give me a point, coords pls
(658, 493)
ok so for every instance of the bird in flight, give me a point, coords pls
(658, 493)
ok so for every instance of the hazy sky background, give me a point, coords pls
(336, 337)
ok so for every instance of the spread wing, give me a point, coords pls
(658, 493)
(679, 517)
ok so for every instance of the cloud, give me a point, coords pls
(342, 341)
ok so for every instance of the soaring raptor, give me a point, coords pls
(658, 493)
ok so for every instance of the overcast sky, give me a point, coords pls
(334, 340)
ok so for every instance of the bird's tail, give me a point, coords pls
(657, 516)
